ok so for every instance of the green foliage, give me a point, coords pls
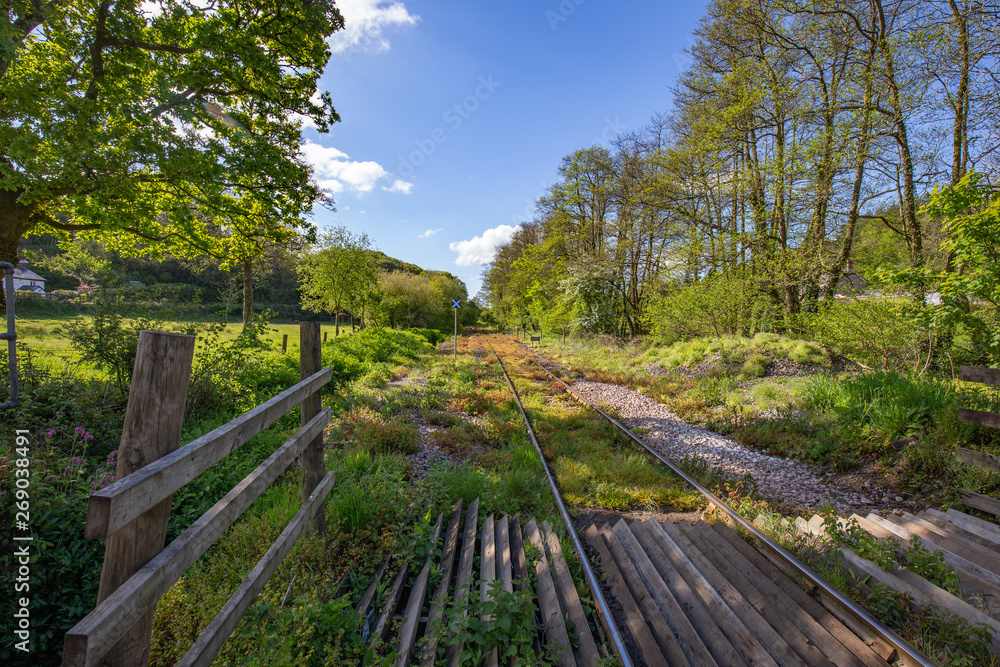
(590, 287)
(423, 301)
(433, 336)
(883, 406)
(969, 288)
(369, 494)
(725, 305)
(340, 275)
(353, 356)
(732, 355)
(873, 332)
(109, 340)
(237, 374)
(146, 119)
(504, 621)
(310, 632)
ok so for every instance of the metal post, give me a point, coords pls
(11, 337)
(456, 334)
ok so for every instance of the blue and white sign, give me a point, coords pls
(455, 303)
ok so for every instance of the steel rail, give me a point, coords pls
(595, 588)
(905, 649)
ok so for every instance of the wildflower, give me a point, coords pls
(51, 433)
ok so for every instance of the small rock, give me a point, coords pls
(899, 499)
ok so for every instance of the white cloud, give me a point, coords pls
(430, 232)
(482, 249)
(335, 171)
(364, 22)
(402, 187)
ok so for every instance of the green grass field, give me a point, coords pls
(48, 348)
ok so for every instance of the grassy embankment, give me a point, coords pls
(797, 399)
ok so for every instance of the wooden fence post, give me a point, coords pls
(284, 343)
(310, 361)
(324, 335)
(152, 429)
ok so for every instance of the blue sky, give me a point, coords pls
(456, 114)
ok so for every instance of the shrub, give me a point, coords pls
(432, 336)
(869, 331)
(718, 306)
(109, 340)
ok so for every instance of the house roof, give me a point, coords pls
(26, 274)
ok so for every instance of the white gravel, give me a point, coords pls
(791, 483)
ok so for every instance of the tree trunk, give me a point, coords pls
(247, 292)
(15, 221)
(908, 208)
(960, 142)
(860, 158)
(336, 327)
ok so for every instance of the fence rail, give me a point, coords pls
(132, 513)
(114, 506)
(989, 376)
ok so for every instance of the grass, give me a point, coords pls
(52, 351)
(750, 354)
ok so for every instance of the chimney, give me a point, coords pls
(850, 266)
(23, 264)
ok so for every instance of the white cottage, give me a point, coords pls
(27, 280)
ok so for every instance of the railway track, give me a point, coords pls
(701, 595)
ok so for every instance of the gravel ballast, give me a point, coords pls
(789, 483)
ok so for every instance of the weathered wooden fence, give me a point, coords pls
(132, 513)
(971, 456)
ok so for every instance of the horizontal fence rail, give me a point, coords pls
(139, 570)
(983, 460)
(114, 506)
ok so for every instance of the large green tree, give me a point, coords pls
(117, 118)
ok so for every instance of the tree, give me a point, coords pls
(339, 275)
(969, 296)
(250, 237)
(114, 118)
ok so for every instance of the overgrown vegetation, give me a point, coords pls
(75, 422)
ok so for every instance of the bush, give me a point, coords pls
(110, 340)
(352, 356)
(869, 331)
(725, 305)
(433, 336)
(237, 375)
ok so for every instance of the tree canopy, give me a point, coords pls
(803, 136)
(115, 117)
